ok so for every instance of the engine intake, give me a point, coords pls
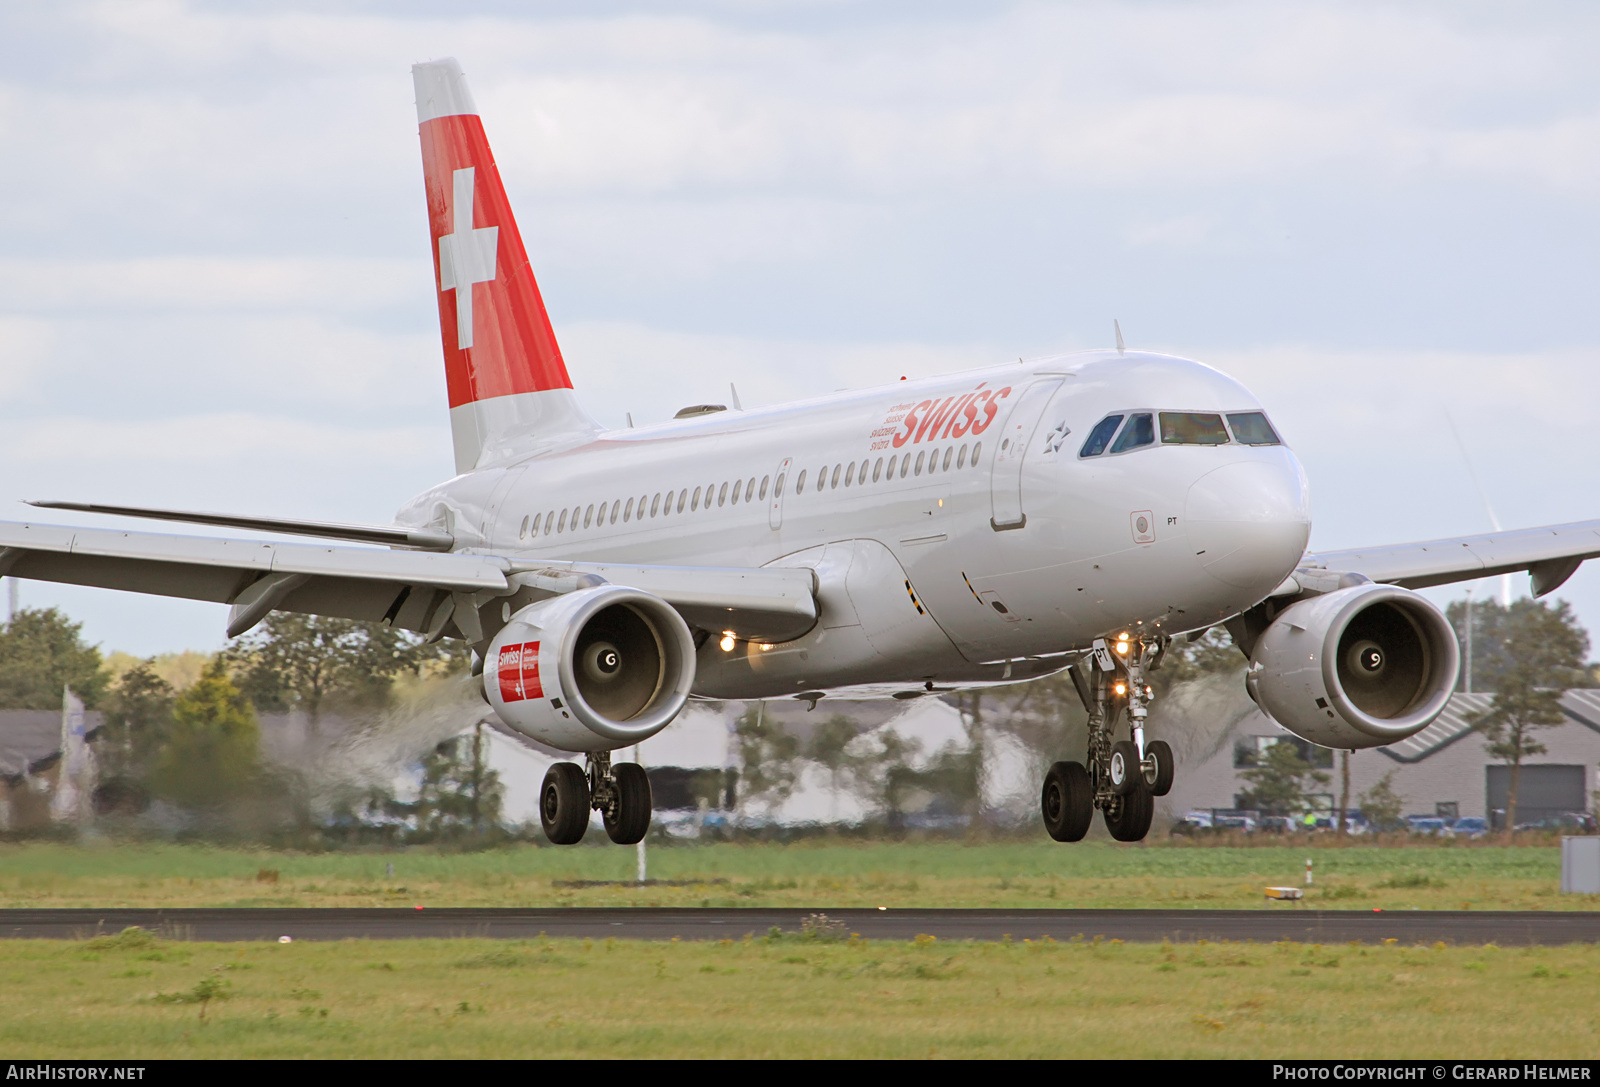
(592, 670)
(1359, 667)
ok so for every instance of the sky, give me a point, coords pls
(216, 286)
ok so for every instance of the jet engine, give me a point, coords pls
(591, 670)
(1357, 667)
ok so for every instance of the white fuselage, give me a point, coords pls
(936, 576)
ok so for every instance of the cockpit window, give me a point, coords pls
(1139, 431)
(1192, 428)
(1252, 428)
(1100, 436)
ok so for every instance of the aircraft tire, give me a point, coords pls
(1128, 818)
(1124, 767)
(564, 803)
(1160, 782)
(1067, 802)
(629, 820)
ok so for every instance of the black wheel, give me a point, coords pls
(629, 818)
(1124, 767)
(1067, 802)
(1128, 817)
(1158, 778)
(564, 803)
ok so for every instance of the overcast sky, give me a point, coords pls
(216, 289)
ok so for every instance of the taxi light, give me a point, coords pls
(1122, 688)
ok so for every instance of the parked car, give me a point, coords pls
(1234, 822)
(1426, 824)
(1580, 821)
(1196, 820)
(1470, 826)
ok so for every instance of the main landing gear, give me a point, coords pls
(620, 793)
(1123, 777)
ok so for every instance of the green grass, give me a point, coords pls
(132, 997)
(816, 873)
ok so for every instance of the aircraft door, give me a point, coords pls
(1015, 440)
(779, 482)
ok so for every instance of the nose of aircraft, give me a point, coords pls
(1249, 521)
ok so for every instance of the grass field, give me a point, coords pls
(131, 997)
(812, 874)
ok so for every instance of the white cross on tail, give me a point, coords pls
(467, 256)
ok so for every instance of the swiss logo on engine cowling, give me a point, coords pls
(518, 669)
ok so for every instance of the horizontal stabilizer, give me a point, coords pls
(384, 535)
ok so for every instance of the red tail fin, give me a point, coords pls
(498, 342)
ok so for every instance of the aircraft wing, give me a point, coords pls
(1550, 554)
(414, 590)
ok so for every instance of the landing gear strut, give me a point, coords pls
(620, 793)
(1122, 777)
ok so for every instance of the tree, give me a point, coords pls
(459, 792)
(314, 662)
(138, 719)
(829, 749)
(210, 755)
(890, 774)
(1281, 781)
(42, 651)
(766, 758)
(1543, 649)
(1381, 805)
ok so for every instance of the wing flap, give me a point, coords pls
(1552, 553)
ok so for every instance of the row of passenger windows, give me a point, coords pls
(948, 459)
(1177, 428)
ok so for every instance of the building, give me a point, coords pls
(1441, 771)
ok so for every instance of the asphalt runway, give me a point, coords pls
(1148, 926)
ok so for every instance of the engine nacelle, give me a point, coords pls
(1358, 667)
(591, 670)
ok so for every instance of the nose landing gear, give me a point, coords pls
(1123, 777)
(621, 794)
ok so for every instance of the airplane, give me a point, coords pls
(1078, 512)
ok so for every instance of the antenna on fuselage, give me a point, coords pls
(1122, 348)
(630, 419)
(736, 405)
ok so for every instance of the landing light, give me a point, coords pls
(1122, 688)
(727, 641)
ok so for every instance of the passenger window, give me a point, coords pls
(655, 504)
(849, 476)
(777, 488)
(1192, 428)
(945, 467)
(837, 468)
(683, 496)
(587, 515)
(550, 523)
(905, 465)
(1139, 431)
(627, 513)
(822, 478)
(919, 462)
(800, 482)
(961, 458)
(562, 527)
(694, 503)
(722, 496)
(534, 531)
(522, 533)
(1100, 436)
(861, 474)
(737, 486)
(615, 506)
(1252, 428)
(933, 461)
(977, 449)
(890, 473)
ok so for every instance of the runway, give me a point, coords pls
(1147, 926)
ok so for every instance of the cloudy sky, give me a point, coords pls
(216, 289)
